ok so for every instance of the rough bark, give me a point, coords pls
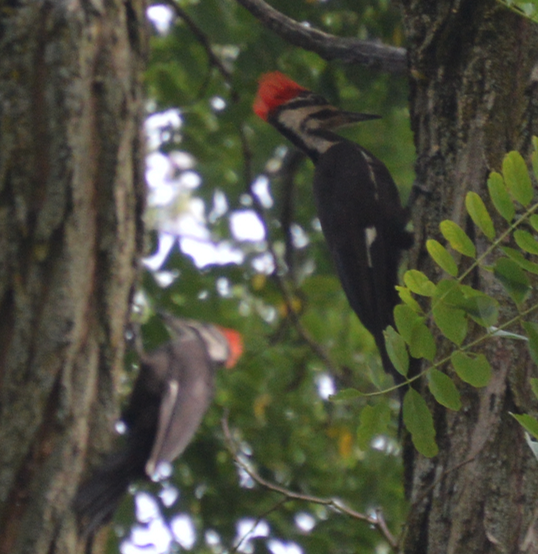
(71, 202)
(472, 100)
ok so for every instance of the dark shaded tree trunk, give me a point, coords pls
(71, 202)
(473, 98)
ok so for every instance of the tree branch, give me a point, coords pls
(376, 521)
(375, 55)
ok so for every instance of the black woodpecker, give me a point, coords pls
(169, 399)
(358, 204)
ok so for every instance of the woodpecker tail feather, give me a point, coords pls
(99, 496)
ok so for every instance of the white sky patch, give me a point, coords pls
(217, 103)
(189, 180)
(166, 241)
(206, 253)
(245, 200)
(160, 127)
(264, 263)
(280, 547)
(212, 538)
(325, 384)
(220, 206)
(161, 17)
(147, 508)
(169, 495)
(224, 287)
(380, 443)
(261, 189)
(247, 529)
(155, 538)
(298, 236)
(181, 160)
(246, 225)
(305, 522)
(184, 531)
(157, 168)
(165, 278)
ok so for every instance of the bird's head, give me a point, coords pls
(283, 102)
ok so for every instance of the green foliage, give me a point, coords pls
(500, 197)
(442, 257)
(444, 389)
(397, 351)
(457, 238)
(516, 178)
(479, 214)
(454, 304)
(419, 422)
(528, 423)
(374, 420)
(279, 291)
(473, 369)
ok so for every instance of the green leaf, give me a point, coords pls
(534, 221)
(405, 318)
(479, 214)
(419, 422)
(418, 283)
(442, 257)
(512, 278)
(396, 350)
(473, 370)
(444, 390)
(516, 177)
(422, 343)
(531, 329)
(345, 394)
(374, 420)
(520, 260)
(457, 238)
(534, 386)
(500, 197)
(405, 295)
(528, 423)
(526, 241)
(479, 306)
(451, 322)
(534, 157)
(449, 291)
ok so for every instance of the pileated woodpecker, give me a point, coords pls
(358, 204)
(170, 396)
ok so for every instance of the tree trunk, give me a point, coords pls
(72, 196)
(472, 100)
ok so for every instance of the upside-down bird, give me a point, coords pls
(357, 201)
(169, 399)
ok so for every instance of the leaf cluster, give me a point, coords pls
(452, 306)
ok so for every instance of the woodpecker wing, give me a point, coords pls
(363, 223)
(188, 390)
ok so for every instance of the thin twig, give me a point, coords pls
(201, 37)
(262, 516)
(376, 521)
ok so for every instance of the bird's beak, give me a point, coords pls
(341, 119)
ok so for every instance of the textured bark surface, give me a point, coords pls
(472, 100)
(71, 202)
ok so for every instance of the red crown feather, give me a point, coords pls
(235, 345)
(274, 89)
